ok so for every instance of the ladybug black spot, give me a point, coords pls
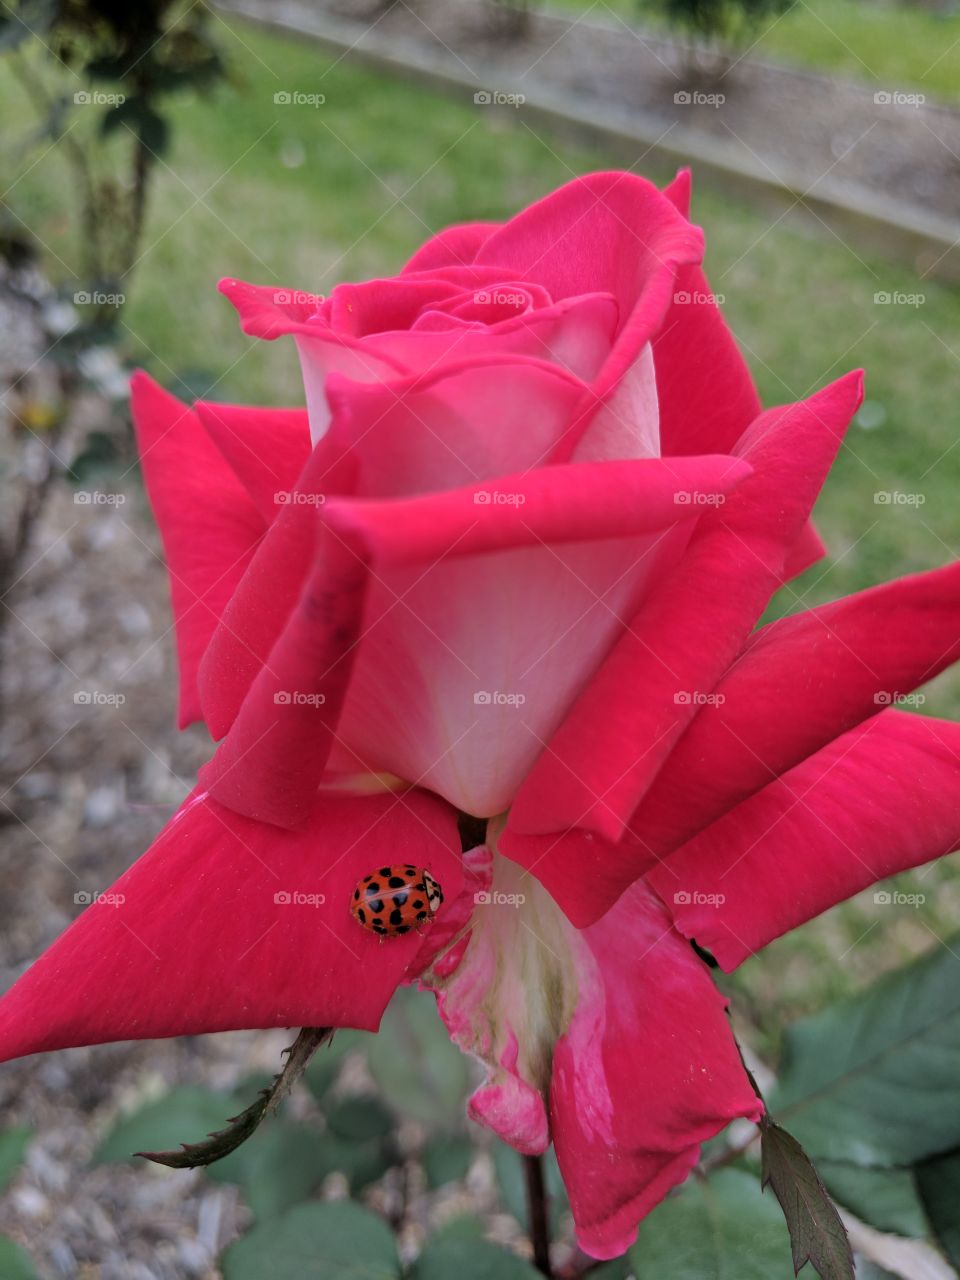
(411, 871)
(361, 915)
(396, 882)
(372, 886)
(421, 915)
(356, 895)
(384, 871)
(417, 904)
(375, 905)
(396, 917)
(400, 898)
(402, 928)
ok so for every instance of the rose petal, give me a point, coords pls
(623, 727)
(267, 448)
(454, 246)
(208, 523)
(219, 926)
(799, 683)
(880, 799)
(647, 1070)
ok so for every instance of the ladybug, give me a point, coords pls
(394, 900)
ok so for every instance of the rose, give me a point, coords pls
(387, 597)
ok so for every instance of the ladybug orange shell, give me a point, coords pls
(394, 900)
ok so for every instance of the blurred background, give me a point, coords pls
(149, 150)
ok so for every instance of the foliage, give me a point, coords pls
(123, 62)
(724, 23)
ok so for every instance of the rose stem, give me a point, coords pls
(537, 1210)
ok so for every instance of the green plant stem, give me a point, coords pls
(537, 1213)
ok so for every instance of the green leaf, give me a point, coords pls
(466, 1226)
(221, 1142)
(14, 1263)
(330, 1241)
(875, 1079)
(446, 1159)
(420, 1073)
(816, 1233)
(470, 1259)
(360, 1117)
(939, 1184)
(279, 1168)
(721, 1228)
(187, 1110)
(360, 1162)
(13, 1143)
(887, 1199)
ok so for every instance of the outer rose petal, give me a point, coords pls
(880, 799)
(647, 1070)
(619, 1030)
(799, 683)
(206, 933)
(267, 448)
(209, 525)
(454, 246)
(689, 631)
(706, 392)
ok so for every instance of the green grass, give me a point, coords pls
(897, 46)
(305, 197)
